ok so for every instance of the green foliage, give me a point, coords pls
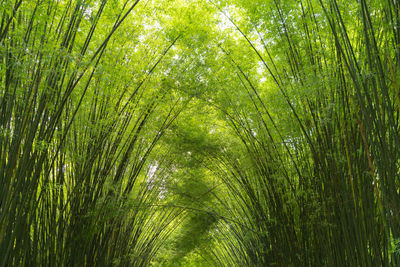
(199, 133)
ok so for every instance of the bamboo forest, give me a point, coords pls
(200, 133)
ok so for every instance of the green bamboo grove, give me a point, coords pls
(200, 133)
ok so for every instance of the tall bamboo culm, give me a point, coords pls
(72, 143)
(326, 194)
